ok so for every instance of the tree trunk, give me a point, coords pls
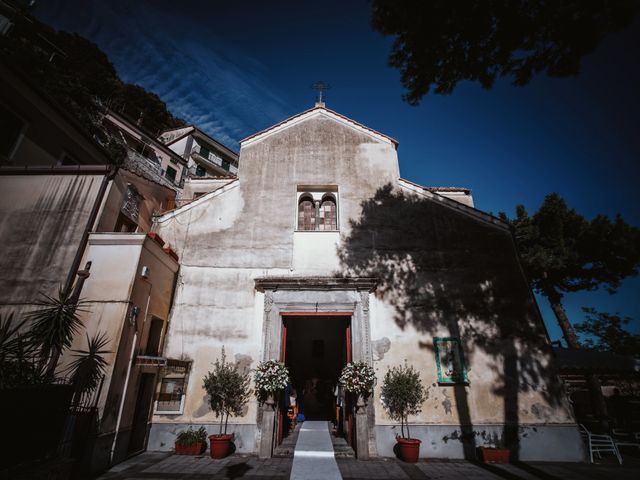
(599, 403)
(567, 329)
(571, 338)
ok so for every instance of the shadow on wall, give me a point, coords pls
(444, 270)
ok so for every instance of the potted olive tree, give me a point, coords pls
(402, 395)
(191, 442)
(228, 390)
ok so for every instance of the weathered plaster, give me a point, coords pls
(442, 267)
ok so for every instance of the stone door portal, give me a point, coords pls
(293, 299)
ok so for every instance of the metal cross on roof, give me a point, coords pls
(320, 87)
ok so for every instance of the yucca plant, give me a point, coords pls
(18, 356)
(88, 367)
(53, 327)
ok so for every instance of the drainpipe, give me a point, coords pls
(85, 235)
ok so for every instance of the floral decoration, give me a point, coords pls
(358, 378)
(270, 376)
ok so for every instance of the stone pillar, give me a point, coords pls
(362, 429)
(267, 428)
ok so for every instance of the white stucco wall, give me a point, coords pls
(246, 230)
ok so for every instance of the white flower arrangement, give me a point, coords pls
(270, 376)
(358, 378)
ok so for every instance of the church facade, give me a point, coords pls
(319, 253)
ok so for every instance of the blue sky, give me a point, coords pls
(234, 68)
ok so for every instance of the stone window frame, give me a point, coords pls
(318, 194)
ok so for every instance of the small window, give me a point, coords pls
(170, 395)
(306, 213)
(171, 174)
(204, 152)
(200, 171)
(10, 130)
(450, 361)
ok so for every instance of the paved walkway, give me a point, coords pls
(313, 458)
(164, 466)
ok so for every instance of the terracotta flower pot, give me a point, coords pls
(494, 455)
(195, 449)
(220, 445)
(408, 449)
(156, 238)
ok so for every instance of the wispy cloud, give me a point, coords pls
(202, 79)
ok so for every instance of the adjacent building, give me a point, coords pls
(205, 156)
(70, 212)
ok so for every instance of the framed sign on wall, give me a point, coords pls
(450, 361)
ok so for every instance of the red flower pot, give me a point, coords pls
(156, 238)
(194, 449)
(171, 252)
(220, 445)
(408, 449)
(494, 455)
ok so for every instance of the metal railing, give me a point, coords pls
(214, 159)
(147, 167)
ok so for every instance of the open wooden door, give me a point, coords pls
(348, 406)
(283, 357)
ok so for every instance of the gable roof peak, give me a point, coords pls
(318, 109)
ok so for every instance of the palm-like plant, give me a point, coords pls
(18, 356)
(87, 369)
(54, 326)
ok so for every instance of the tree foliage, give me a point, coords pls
(19, 363)
(88, 366)
(562, 252)
(604, 331)
(75, 73)
(54, 324)
(30, 348)
(438, 43)
(228, 390)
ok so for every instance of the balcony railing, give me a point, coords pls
(149, 168)
(214, 160)
(149, 361)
